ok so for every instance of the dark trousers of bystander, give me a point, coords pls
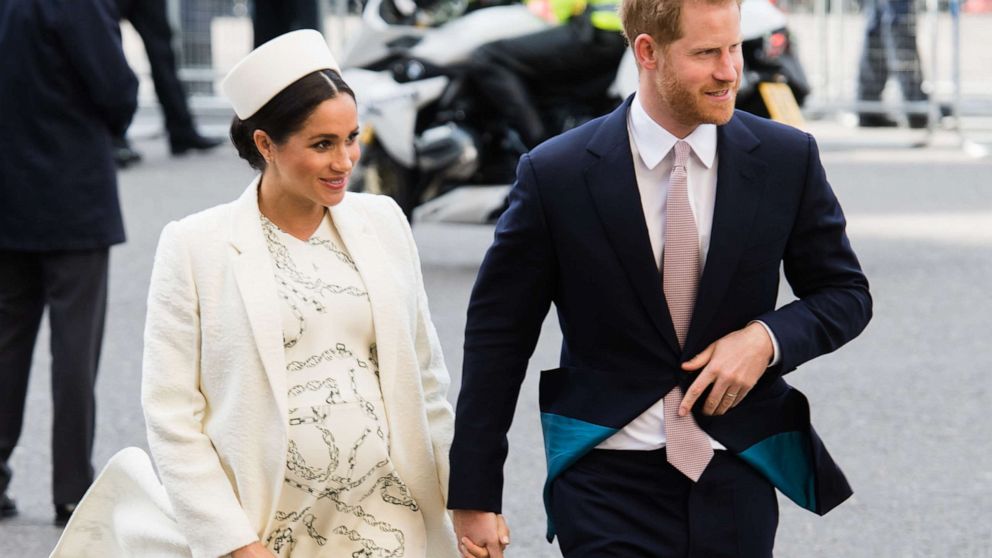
(73, 286)
(271, 18)
(889, 50)
(151, 21)
(634, 504)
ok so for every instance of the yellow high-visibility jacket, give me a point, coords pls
(602, 13)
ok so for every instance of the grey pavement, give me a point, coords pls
(904, 408)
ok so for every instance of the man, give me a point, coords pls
(583, 50)
(151, 22)
(658, 231)
(64, 95)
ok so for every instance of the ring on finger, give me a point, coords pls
(730, 395)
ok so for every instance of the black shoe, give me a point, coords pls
(875, 120)
(63, 512)
(124, 154)
(8, 508)
(181, 145)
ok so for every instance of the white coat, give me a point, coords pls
(214, 387)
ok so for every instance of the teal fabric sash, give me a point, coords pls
(565, 441)
(785, 460)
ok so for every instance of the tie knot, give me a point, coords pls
(682, 150)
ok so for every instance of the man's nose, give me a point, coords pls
(728, 67)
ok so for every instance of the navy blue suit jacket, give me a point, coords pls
(65, 89)
(574, 235)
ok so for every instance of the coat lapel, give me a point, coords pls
(363, 244)
(740, 187)
(256, 282)
(613, 186)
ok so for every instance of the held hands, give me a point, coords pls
(733, 364)
(486, 528)
(481, 534)
(253, 550)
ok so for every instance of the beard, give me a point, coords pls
(691, 108)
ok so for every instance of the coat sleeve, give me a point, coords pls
(510, 299)
(833, 303)
(433, 372)
(91, 38)
(205, 504)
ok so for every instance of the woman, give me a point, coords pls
(294, 388)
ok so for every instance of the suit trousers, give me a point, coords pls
(634, 504)
(73, 286)
(271, 18)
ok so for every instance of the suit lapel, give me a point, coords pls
(740, 187)
(613, 187)
(254, 275)
(380, 282)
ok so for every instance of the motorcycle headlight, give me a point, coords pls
(405, 71)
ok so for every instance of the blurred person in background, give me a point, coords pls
(585, 41)
(149, 19)
(65, 92)
(890, 50)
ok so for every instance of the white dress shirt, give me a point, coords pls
(651, 145)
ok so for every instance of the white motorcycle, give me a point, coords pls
(430, 140)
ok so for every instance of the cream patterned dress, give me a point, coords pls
(341, 497)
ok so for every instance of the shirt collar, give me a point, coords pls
(654, 142)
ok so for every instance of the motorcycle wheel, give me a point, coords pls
(378, 173)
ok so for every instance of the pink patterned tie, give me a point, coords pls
(688, 447)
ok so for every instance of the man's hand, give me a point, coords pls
(253, 550)
(733, 365)
(481, 534)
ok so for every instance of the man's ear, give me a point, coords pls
(646, 51)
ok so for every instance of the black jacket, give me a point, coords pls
(65, 89)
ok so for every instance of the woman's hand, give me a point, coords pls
(471, 550)
(253, 550)
(504, 532)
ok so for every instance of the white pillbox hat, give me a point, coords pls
(273, 66)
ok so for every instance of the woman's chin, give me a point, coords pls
(332, 192)
(332, 198)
